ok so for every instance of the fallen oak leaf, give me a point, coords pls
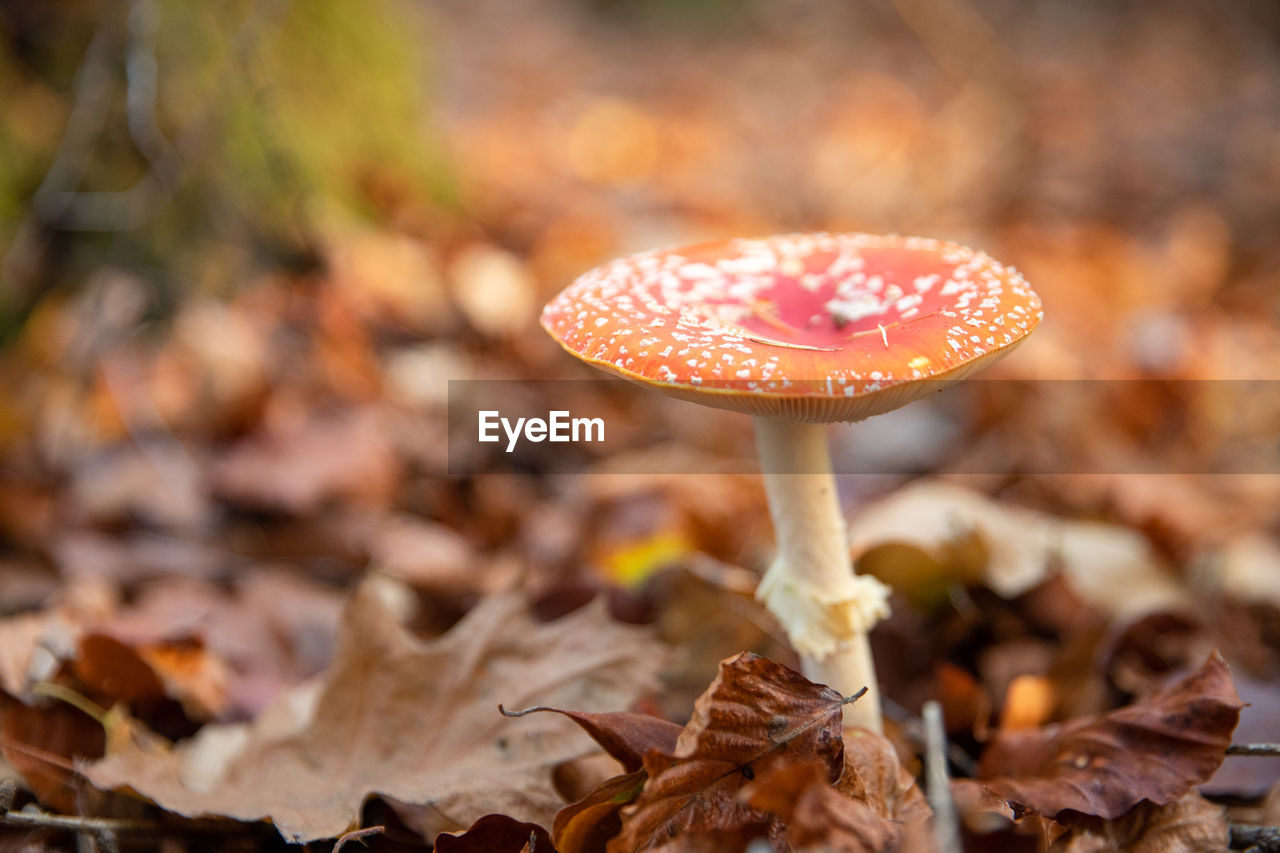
(1155, 749)
(405, 719)
(757, 715)
(624, 735)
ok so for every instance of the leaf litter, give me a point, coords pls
(412, 721)
(186, 501)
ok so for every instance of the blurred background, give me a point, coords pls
(244, 246)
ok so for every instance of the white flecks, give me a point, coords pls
(857, 307)
(711, 301)
(925, 283)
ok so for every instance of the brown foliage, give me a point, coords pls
(818, 816)
(1191, 824)
(413, 721)
(756, 716)
(1155, 749)
(496, 833)
(625, 736)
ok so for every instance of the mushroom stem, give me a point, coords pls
(811, 587)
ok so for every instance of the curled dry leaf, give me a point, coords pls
(587, 825)
(1155, 749)
(625, 736)
(414, 721)
(755, 717)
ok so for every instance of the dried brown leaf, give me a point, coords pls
(755, 717)
(624, 735)
(42, 743)
(414, 721)
(874, 775)
(496, 833)
(993, 824)
(1155, 749)
(1189, 825)
(817, 816)
(587, 825)
(109, 668)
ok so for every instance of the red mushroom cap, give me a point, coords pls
(809, 327)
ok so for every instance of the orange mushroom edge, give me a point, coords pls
(806, 327)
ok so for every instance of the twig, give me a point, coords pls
(1254, 749)
(1259, 839)
(105, 829)
(946, 825)
(30, 817)
(358, 835)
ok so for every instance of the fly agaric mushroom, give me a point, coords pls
(798, 331)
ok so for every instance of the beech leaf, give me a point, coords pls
(756, 716)
(818, 816)
(414, 721)
(874, 775)
(1155, 749)
(588, 824)
(624, 735)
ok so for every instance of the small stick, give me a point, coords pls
(358, 835)
(29, 817)
(99, 827)
(1254, 749)
(946, 825)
